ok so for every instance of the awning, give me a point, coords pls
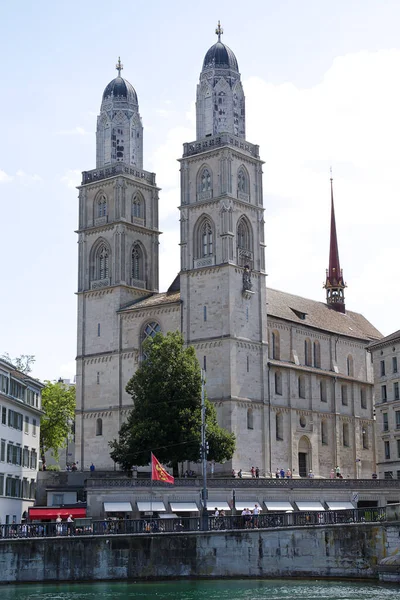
(241, 504)
(184, 507)
(309, 506)
(154, 506)
(117, 507)
(340, 505)
(219, 504)
(51, 513)
(278, 506)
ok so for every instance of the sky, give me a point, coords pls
(322, 89)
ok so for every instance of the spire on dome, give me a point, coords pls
(119, 66)
(334, 283)
(219, 31)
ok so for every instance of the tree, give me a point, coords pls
(166, 417)
(58, 405)
(23, 362)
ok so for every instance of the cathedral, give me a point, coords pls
(291, 377)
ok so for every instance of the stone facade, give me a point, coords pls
(286, 409)
(386, 360)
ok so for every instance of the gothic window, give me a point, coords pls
(279, 426)
(250, 424)
(323, 390)
(137, 271)
(137, 208)
(317, 355)
(205, 180)
(363, 397)
(244, 243)
(364, 437)
(345, 399)
(275, 342)
(206, 239)
(99, 427)
(278, 383)
(102, 206)
(243, 181)
(307, 352)
(102, 262)
(350, 366)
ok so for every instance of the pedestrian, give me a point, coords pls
(310, 474)
(337, 471)
(240, 473)
(70, 526)
(282, 473)
(256, 512)
(277, 473)
(253, 472)
(332, 474)
(59, 524)
(288, 474)
(92, 468)
(257, 472)
(74, 467)
(233, 473)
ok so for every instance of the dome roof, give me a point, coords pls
(220, 56)
(120, 88)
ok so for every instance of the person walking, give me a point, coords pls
(257, 472)
(277, 473)
(288, 474)
(282, 473)
(337, 471)
(70, 526)
(253, 472)
(256, 513)
(240, 473)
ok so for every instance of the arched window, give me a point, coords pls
(364, 437)
(278, 383)
(279, 426)
(102, 262)
(205, 180)
(206, 239)
(363, 397)
(346, 435)
(99, 427)
(350, 366)
(243, 184)
(307, 352)
(302, 386)
(324, 432)
(101, 210)
(317, 355)
(276, 349)
(250, 424)
(323, 390)
(149, 331)
(137, 270)
(137, 207)
(244, 243)
(345, 399)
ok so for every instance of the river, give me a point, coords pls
(251, 589)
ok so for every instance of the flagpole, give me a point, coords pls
(151, 484)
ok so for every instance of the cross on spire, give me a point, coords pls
(119, 66)
(219, 31)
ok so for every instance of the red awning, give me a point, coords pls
(46, 512)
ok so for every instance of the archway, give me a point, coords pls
(304, 456)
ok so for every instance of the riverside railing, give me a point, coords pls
(189, 524)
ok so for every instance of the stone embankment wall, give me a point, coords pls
(335, 551)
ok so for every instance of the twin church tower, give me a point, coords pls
(218, 299)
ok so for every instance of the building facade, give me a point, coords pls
(386, 359)
(20, 402)
(219, 299)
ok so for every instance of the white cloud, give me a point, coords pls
(4, 177)
(25, 178)
(72, 178)
(350, 121)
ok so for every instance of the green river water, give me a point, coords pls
(279, 589)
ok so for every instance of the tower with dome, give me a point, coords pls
(297, 392)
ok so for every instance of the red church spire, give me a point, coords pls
(334, 283)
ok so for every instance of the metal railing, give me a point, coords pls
(190, 524)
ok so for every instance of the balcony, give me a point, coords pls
(207, 261)
(216, 141)
(101, 221)
(243, 196)
(138, 283)
(117, 169)
(98, 284)
(137, 221)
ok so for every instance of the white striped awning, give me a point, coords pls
(117, 507)
(309, 506)
(340, 505)
(155, 506)
(276, 505)
(241, 505)
(184, 507)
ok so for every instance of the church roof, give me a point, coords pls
(392, 337)
(120, 89)
(220, 56)
(319, 315)
(154, 300)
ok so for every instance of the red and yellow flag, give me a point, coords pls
(158, 473)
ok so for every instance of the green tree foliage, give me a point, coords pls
(166, 418)
(23, 362)
(58, 404)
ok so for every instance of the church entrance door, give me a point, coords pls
(304, 456)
